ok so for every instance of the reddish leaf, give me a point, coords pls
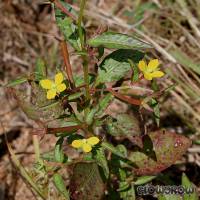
(161, 150)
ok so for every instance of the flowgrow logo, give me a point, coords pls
(159, 189)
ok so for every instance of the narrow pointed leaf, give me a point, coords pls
(192, 193)
(40, 69)
(90, 115)
(104, 103)
(70, 32)
(60, 185)
(128, 193)
(113, 40)
(67, 26)
(101, 160)
(58, 151)
(17, 81)
(144, 179)
(113, 149)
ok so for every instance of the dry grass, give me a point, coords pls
(173, 29)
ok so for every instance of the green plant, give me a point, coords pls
(121, 156)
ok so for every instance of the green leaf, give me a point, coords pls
(90, 116)
(86, 182)
(104, 103)
(161, 197)
(113, 149)
(122, 172)
(67, 27)
(40, 69)
(70, 32)
(156, 109)
(60, 185)
(98, 110)
(79, 80)
(67, 6)
(123, 185)
(196, 142)
(169, 197)
(185, 61)
(154, 85)
(101, 160)
(58, 151)
(113, 40)
(189, 186)
(116, 65)
(135, 70)
(141, 9)
(74, 96)
(122, 125)
(48, 156)
(144, 179)
(127, 192)
(17, 81)
(117, 163)
(101, 52)
(121, 148)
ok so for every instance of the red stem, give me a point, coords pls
(68, 67)
(126, 98)
(64, 129)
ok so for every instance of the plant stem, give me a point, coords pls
(86, 76)
(82, 40)
(25, 174)
(64, 129)
(68, 67)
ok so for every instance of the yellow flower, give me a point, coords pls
(53, 87)
(151, 70)
(85, 144)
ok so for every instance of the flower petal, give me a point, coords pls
(142, 65)
(157, 74)
(46, 84)
(86, 148)
(153, 64)
(77, 143)
(93, 140)
(61, 87)
(51, 94)
(59, 78)
(148, 76)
